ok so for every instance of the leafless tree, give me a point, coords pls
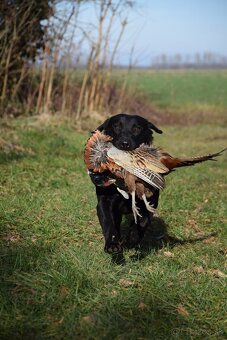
(49, 80)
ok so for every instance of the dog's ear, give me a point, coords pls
(153, 127)
(103, 126)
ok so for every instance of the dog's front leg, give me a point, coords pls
(110, 219)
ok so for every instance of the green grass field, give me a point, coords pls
(56, 281)
(181, 89)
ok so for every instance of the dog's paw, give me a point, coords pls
(113, 248)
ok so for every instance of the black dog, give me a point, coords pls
(128, 132)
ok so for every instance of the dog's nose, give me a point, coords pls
(125, 145)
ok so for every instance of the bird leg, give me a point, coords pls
(147, 204)
(130, 181)
(135, 210)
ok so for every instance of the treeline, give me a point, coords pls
(42, 45)
(198, 61)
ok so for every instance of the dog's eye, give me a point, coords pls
(136, 130)
(117, 128)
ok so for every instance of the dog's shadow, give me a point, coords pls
(156, 237)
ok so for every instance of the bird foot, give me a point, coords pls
(135, 211)
(155, 213)
(149, 206)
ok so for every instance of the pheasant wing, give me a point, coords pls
(133, 162)
(141, 157)
(155, 180)
(148, 158)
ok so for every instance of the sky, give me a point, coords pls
(176, 26)
(170, 27)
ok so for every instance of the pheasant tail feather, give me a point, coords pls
(172, 163)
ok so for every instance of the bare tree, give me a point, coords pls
(49, 80)
(96, 89)
(22, 38)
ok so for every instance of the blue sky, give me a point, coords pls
(176, 26)
(169, 27)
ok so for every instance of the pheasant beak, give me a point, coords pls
(101, 180)
(108, 182)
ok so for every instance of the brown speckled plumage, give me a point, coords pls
(140, 168)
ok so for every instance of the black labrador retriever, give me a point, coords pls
(128, 132)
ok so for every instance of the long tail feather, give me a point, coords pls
(172, 163)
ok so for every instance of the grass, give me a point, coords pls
(56, 281)
(203, 91)
(173, 88)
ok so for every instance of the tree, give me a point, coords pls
(22, 37)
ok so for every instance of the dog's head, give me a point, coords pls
(128, 131)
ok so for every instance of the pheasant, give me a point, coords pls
(138, 169)
(100, 155)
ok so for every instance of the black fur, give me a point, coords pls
(128, 132)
